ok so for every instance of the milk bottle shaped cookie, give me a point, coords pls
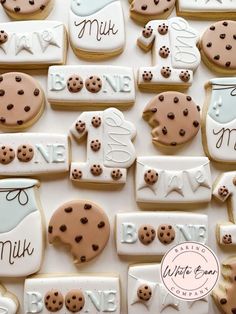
(21, 229)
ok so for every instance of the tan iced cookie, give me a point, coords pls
(21, 101)
(3, 37)
(53, 301)
(75, 301)
(27, 9)
(93, 84)
(116, 174)
(75, 84)
(166, 234)
(95, 145)
(175, 118)
(25, 153)
(7, 155)
(151, 177)
(144, 293)
(83, 226)
(96, 121)
(77, 174)
(218, 47)
(96, 170)
(144, 11)
(146, 234)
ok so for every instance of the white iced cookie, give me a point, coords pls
(21, 228)
(9, 303)
(72, 294)
(219, 124)
(110, 151)
(173, 180)
(97, 29)
(175, 55)
(91, 86)
(152, 234)
(33, 153)
(207, 9)
(147, 294)
(32, 44)
(225, 191)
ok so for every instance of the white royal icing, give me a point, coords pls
(8, 302)
(180, 180)
(117, 150)
(21, 230)
(161, 301)
(181, 39)
(206, 5)
(118, 85)
(102, 294)
(188, 227)
(33, 43)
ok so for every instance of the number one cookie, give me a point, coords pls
(109, 147)
(175, 55)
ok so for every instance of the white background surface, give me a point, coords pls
(60, 190)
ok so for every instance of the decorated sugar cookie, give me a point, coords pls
(21, 101)
(144, 11)
(152, 234)
(97, 29)
(147, 294)
(218, 46)
(175, 55)
(9, 303)
(110, 151)
(220, 120)
(174, 117)
(207, 9)
(21, 228)
(72, 294)
(83, 226)
(32, 44)
(27, 10)
(173, 181)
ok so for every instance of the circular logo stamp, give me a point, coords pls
(190, 271)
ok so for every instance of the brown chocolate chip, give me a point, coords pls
(227, 64)
(228, 47)
(50, 229)
(222, 36)
(217, 57)
(36, 92)
(18, 79)
(189, 98)
(20, 122)
(27, 108)
(196, 124)
(101, 224)
(223, 301)
(10, 107)
(161, 98)
(17, 9)
(185, 112)
(209, 44)
(176, 100)
(68, 210)
(2, 92)
(95, 247)
(78, 239)
(164, 130)
(63, 228)
(84, 220)
(87, 206)
(212, 28)
(20, 92)
(225, 23)
(83, 259)
(182, 132)
(171, 115)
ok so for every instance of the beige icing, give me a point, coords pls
(25, 6)
(175, 118)
(152, 7)
(84, 226)
(21, 99)
(219, 44)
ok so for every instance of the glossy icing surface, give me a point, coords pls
(25, 7)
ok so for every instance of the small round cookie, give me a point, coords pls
(218, 47)
(151, 177)
(95, 145)
(25, 153)
(21, 101)
(116, 174)
(143, 11)
(83, 226)
(166, 234)
(146, 234)
(96, 121)
(3, 37)
(7, 155)
(175, 118)
(53, 301)
(75, 83)
(93, 84)
(144, 293)
(27, 9)
(96, 170)
(75, 301)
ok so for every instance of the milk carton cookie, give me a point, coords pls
(148, 295)
(206, 9)
(173, 181)
(175, 55)
(22, 101)
(174, 117)
(83, 226)
(225, 191)
(218, 46)
(152, 234)
(72, 294)
(110, 151)
(219, 124)
(144, 11)
(97, 29)
(9, 303)
(91, 86)
(21, 228)
(27, 10)
(32, 44)
(224, 293)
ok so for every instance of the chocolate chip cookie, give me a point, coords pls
(144, 293)
(53, 301)
(25, 153)
(146, 234)
(93, 84)
(75, 83)
(166, 234)
(7, 155)
(75, 301)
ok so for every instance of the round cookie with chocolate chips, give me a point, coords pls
(146, 234)
(53, 301)
(144, 293)
(21, 101)
(174, 117)
(7, 155)
(75, 301)
(144, 11)
(218, 47)
(83, 226)
(27, 9)
(25, 153)
(166, 234)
